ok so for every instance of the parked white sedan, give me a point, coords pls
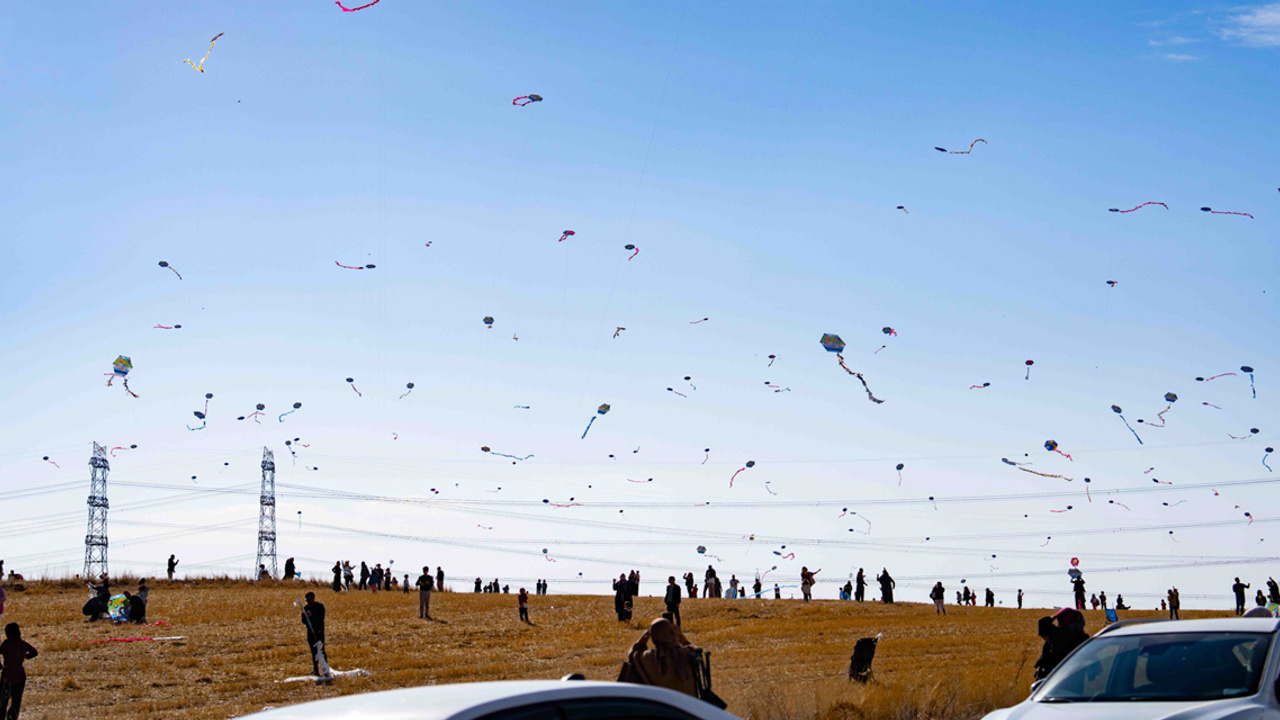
(1189, 670)
(514, 700)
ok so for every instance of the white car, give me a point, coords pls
(1219, 669)
(512, 700)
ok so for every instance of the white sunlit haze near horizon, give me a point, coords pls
(756, 156)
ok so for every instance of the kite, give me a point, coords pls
(771, 492)
(899, 468)
(1052, 446)
(395, 436)
(600, 411)
(1029, 363)
(1215, 377)
(488, 321)
(347, 9)
(1250, 516)
(354, 267)
(46, 459)
(1112, 283)
(485, 448)
(750, 464)
(1086, 489)
(548, 557)
(199, 68)
(121, 447)
(1252, 431)
(296, 407)
(771, 359)
(832, 343)
(788, 556)
(872, 398)
(164, 264)
(1046, 540)
(689, 379)
(677, 392)
(629, 246)
(877, 352)
(961, 152)
(201, 417)
(633, 481)
(1211, 405)
(702, 550)
(1007, 461)
(980, 387)
(1160, 482)
(1116, 409)
(1249, 370)
(1118, 210)
(1126, 507)
(708, 457)
(1267, 452)
(167, 327)
(1075, 562)
(1148, 470)
(571, 503)
(1224, 212)
(1169, 398)
(260, 407)
(352, 383)
(566, 234)
(1060, 511)
(695, 322)
(903, 208)
(521, 407)
(120, 369)
(410, 389)
(527, 99)
(889, 331)
(617, 330)
(1173, 505)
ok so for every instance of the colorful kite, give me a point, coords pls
(164, 264)
(354, 267)
(1126, 507)
(872, 398)
(961, 152)
(201, 417)
(121, 447)
(406, 392)
(488, 321)
(1118, 210)
(673, 390)
(600, 411)
(1249, 370)
(1052, 446)
(485, 448)
(548, 557)
(296, 407)
(1224, 212)
(1116, 409)
(527, 99)
(889, 331)
(629, 246)
(708, 457)
(750, 464)
(200, 68)
(903, 208)
(1112, 283)
(347, 9)
(120, 369)
(260, 407)
(566, 234)
(832, 343)
(352, 383)
(1029, 363)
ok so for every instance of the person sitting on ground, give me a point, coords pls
(1120, 603)
(96, 608)
(669, 663)
(137, 608)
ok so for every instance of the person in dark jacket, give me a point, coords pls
(14, 651)
(1078, 583)
(633, 584)
(439, 579)
(991, 598)
(1060, 639)
(886, 586)
(622, 598)
(289, 569)
(313, 619)
(939, 597)
(860, 586)
(364, 576)
(477, 584)
(337, 576)
(1238, 588)
(137, 608)
(173, 565)
(672, 599)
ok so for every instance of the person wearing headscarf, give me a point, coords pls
(886, 586)
(1060, 639)
(669, 663)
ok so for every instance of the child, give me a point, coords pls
(523, 598)
(13, 678)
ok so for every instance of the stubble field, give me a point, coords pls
(770, 658)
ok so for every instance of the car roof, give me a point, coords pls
(1267, 625)
(470, 700)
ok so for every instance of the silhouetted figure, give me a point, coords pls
(313, 619)
(672, 599)
(14, 652)
(289, 569)
(173, 565)
(939, 596)
(860, 586)
(887, 586)
(1060, 639)
(1239, 589)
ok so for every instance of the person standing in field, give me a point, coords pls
(807, 581)
(690, 584)
(1239, 589)
(622, 598)
(1019, 598)
(1078, 583)
(1102, 599)
(1175, 603)
(964, 598)
(709, 584)
(733, 587)
(348, 574)
(337, 576)
(860, 586)
(289, 569)
(424, 593)
(313, 619)
(477, 585)
(757, 587)
(672, 599)
(2, 598)
(523, 600)
(364, 576)
(991, 598)
(405, 584)
(777, 592)
(960, 598)
(14, 652)
(938, 594)
(440, 578)
(173, 565)
(887, 586)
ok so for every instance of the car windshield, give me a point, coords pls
(1160, 668)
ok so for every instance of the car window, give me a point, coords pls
(541, 711)
(621, 709)
(1161, 667)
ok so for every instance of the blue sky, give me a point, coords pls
(755, 155)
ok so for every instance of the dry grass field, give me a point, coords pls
(771, 658)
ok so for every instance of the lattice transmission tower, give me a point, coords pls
(95, 538)
(267, 516)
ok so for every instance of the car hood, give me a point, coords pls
(1210, 710)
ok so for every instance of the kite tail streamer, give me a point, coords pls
(1252, 389)
(402, 396)
(1211, 405)
(584, 432)
(60, 467)
(203, 423)
(347, 9)
(513, 457)
(1135, 434)
(872, 398)
(766, 487)
(281, 418)
(1126, 507)
(126, 388)
(1264, 462)
(1215, 377)
(1118, 210)
(1048, 475)
(1065, 455)
(877, 352)
(637, 252)
(735, 475)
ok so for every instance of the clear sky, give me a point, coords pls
(756, 155)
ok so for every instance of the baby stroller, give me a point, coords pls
(864, 651)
